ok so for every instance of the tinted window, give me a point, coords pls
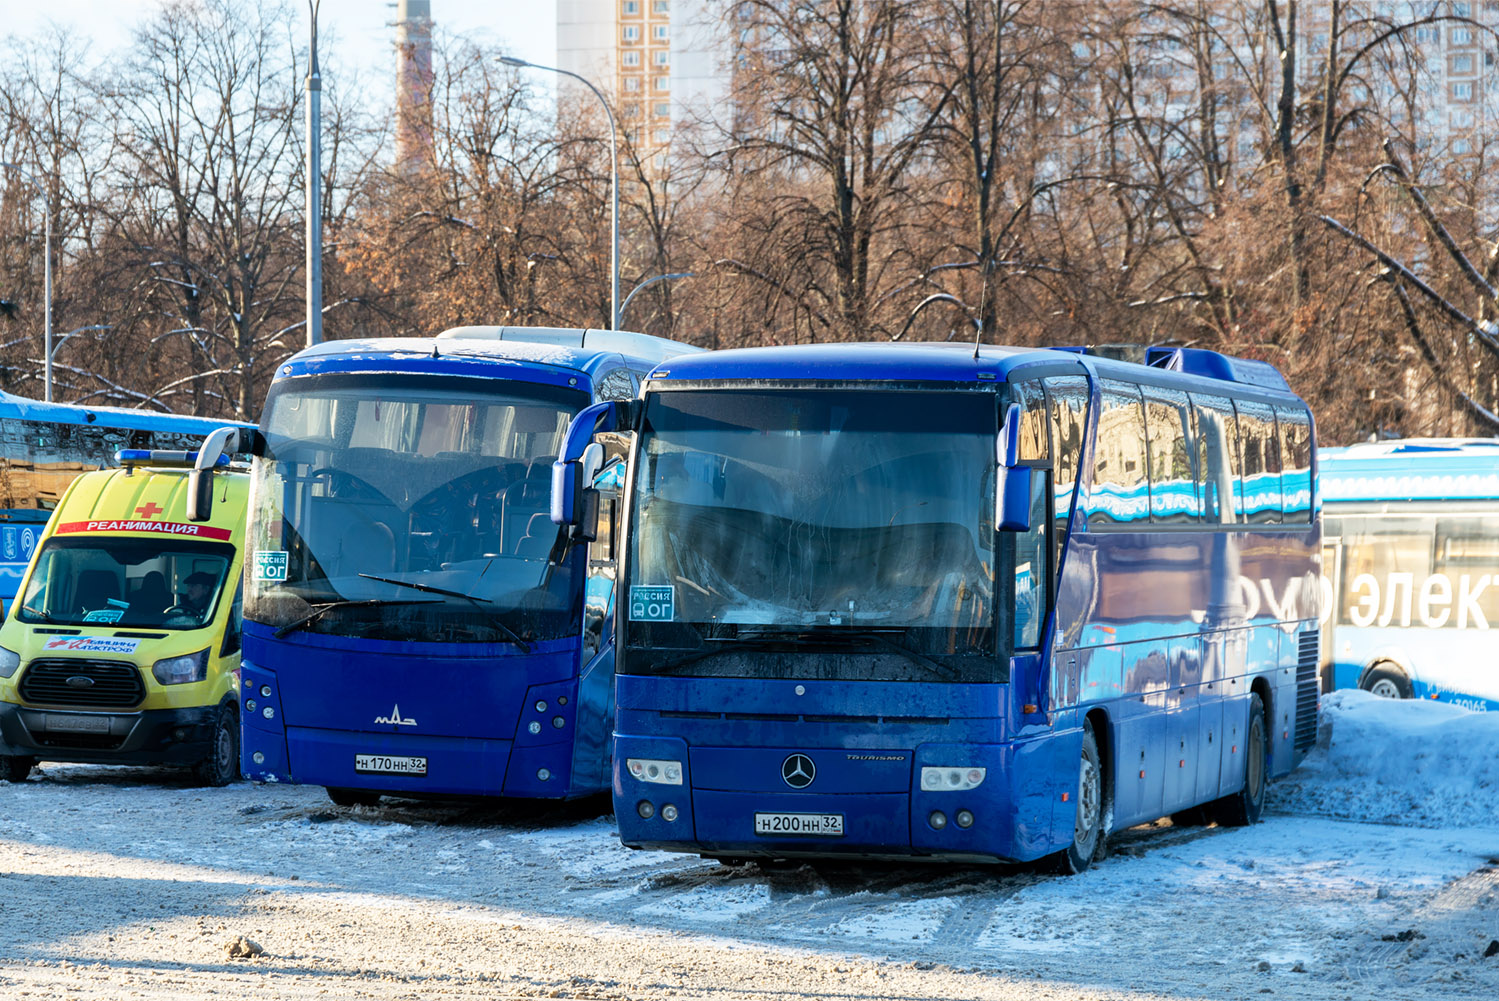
(1067, 402)
(1261, 471)
(1296, 463)
(1173, 484)
(1033, 437)
(1218, 459)
(1120, 492)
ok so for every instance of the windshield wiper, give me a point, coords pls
(727, 645)
(318, 611)
(511, 636)
(45, 617)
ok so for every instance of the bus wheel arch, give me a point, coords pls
(1387, 680)
(1089, 827)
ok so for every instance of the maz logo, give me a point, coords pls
(395, 718)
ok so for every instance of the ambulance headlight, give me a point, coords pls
(181, 670)
(9, 661)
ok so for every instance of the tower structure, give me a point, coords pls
(413, 26)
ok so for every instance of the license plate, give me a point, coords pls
(78, 724)
(387, 764)
(817, 825)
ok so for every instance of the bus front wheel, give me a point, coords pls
(1087, 828)
(1386, 681)
(1245, 806)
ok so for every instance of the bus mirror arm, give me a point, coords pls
(1013, 499)
(220, 443)
(582, 457)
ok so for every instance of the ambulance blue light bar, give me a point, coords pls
(160, 457)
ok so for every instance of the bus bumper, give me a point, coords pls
(146, 737)
(728, 796)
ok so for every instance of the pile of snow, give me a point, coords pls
(1406, 762)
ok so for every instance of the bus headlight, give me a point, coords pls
(952, 778)
(666, 773)
(9, 661)
(181, 670)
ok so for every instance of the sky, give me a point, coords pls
(357, 32)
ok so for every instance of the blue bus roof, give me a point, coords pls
(1411, 469)
(14, 407)
(490, 352)
(955, 362)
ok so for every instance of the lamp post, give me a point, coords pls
(46, 276)
(93, 326)
(614, 308)
(648, 282)
(313, 86)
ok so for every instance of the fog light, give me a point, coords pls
(668, 813)
(541, 705)
(179, 734)
(268, 712)
(265, 691)
(938, 820)
(250, 704)
(258, 758)
(562, 700)
(964, 818)
(558, 722)
(533, 727)
(645, 809)
(543, 774)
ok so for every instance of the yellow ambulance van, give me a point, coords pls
(122, 646)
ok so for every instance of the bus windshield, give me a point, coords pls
(126, 581)
(411, 507)
(797, 517)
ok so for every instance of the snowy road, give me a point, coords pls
(114, 881)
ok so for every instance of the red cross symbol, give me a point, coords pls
(150, 510)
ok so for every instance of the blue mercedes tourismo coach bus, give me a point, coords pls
(414, 622)
(922, 601)
(1411, 533)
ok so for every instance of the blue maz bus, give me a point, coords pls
(44, 446)
(414, 622)
(1412, 568)
(922, 601)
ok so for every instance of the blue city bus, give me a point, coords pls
(44, 446)
(922, 601)
(1412, 568)
(414, 624)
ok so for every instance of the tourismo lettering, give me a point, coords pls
(158, 527)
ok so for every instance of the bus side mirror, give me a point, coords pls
(580, 462)
(215, 450)
(1013, 499)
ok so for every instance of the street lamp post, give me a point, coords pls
(46, 276)
(64, 338)
(313, 86)
(614, 308)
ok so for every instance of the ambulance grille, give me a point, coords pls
(116, 684)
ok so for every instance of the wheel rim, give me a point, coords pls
(1089, 804)
(1254, 768)
(224, 749)
(1385, 689)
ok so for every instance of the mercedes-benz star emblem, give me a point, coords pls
(798, 771)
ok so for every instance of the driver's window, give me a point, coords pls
(598, 600)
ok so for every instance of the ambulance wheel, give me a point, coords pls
(1087, 828)
(352, 797)
(15, 767)
(221, 767)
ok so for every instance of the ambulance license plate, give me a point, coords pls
(388, 764)
(78, 724)
(817, 825)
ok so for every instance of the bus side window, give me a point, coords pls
(1032, 573)
(1174, 497)
(598, 594)
(1218, 459)
(1067, 404)
(1296, 464)
(1034, 445)
(1261, 471)
(232, 627)
(1120, 486)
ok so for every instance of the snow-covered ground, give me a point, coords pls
(1376, 874)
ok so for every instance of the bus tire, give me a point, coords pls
(221, 766)
(1087, 829)
(15, 767)
(1386, 681)
(1245, 806)
(352, 797)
